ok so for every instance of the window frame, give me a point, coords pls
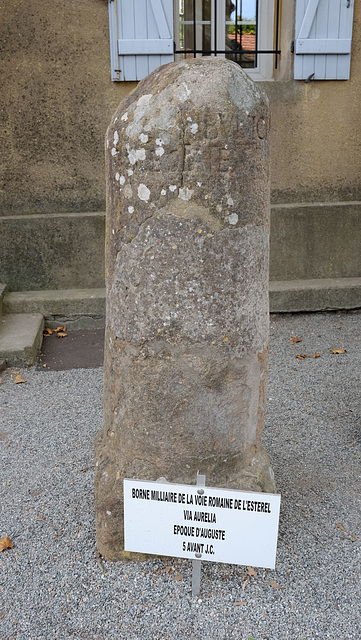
(160, 18)
(266, 16)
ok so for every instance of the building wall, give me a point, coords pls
(57, 102)
(316, 140)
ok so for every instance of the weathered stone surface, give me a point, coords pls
(186, 350)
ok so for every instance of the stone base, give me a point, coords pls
(253, 474)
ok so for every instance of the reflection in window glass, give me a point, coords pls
(241, 31)
(218, 27)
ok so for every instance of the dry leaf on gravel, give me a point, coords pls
(47, 332)
(274, 585)
(251, 572)
(334, 351)
(19, 379)
(5, 543)
(58, 329)
(339, 526)
(178, 577)
(61, 334)
(236, 604)
(304, 356)
(295, 340)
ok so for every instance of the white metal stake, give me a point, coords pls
(196, 564)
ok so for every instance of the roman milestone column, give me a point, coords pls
(186, 351)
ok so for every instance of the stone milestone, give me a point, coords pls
(187, 244)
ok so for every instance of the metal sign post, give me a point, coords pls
(196, 564)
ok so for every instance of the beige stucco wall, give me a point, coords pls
(56, 104)
(57, 101)
(316, 137)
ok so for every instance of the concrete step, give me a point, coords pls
(21, 337)
(3, 289)
(315, 295)
(85, 308)
(77, 308)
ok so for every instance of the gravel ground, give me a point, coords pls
(52, 586)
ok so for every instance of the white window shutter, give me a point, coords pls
(323, 36)
(141, 37)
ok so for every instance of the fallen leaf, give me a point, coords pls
(44, 366)
(5, 543)
(339, 526)
(294, 340)
(61, 328)
(47, 332)
(302, 357)
(338, 351)
(236, 604)
(274, 585)
(61, 334)
(245, 584)
(178, 577)
(15, 372)
(19, 379)
(251, 572)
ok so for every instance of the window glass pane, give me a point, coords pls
(195, 23)
(241, 31)
(201, 27)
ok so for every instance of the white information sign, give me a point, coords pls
(204, 523)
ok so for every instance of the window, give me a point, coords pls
(145, 34)
(240, 30)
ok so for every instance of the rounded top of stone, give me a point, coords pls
(216, 75)
(198, 82)
(211, 79)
